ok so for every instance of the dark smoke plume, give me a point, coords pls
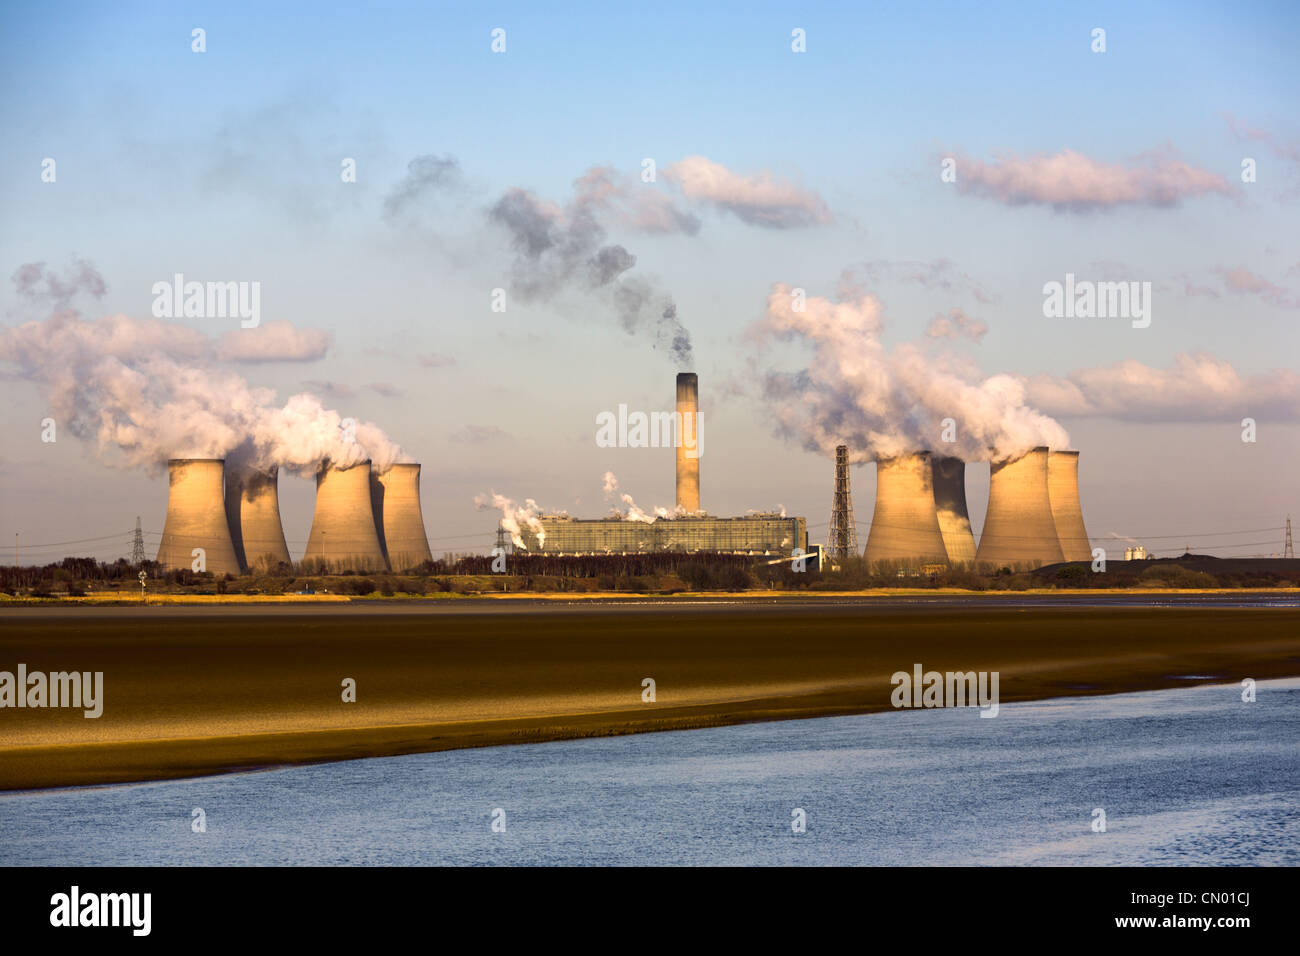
(423, 174)
(558, 250)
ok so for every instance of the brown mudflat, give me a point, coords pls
(196, 693)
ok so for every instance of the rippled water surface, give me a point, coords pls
(1186, 776)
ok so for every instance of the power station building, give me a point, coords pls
(689, 529)
(750, 534)
(369, 522)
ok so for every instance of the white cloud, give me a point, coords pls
(955, 325)
(1198, 387)
(1071, 181)
(759, 199)
(276, 341)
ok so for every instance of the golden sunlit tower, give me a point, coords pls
(196, 517)
(1019, 528)
(1067, 513)
(395, 498)
(688, 442)
(343, 533)
(905, 524)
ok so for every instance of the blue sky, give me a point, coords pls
(225, 165)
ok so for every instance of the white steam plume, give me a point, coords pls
(147, 390)
(883, 402)
(515, 517)
(634, 511)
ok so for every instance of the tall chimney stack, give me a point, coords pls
(1063, 489)
(253, 513)
(905, 525)
(1019, 528)
(688, 442)
(950, 503)
(196, 517)
(343, 534)
(395, 497)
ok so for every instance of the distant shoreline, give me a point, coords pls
(114, 599)
(189, 695)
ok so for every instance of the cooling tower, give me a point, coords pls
(253, 513)
(1019, 528)
(1063, 489)
(950, 503)
(905, 525)
(343, 534)
(688, 442)
(196, 517)
(395, 497)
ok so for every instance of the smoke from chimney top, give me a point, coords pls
(562, 249)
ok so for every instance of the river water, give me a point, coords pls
(1186, 776)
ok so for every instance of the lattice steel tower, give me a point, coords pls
(843, 538)
(1289, 550)
(137, 544)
